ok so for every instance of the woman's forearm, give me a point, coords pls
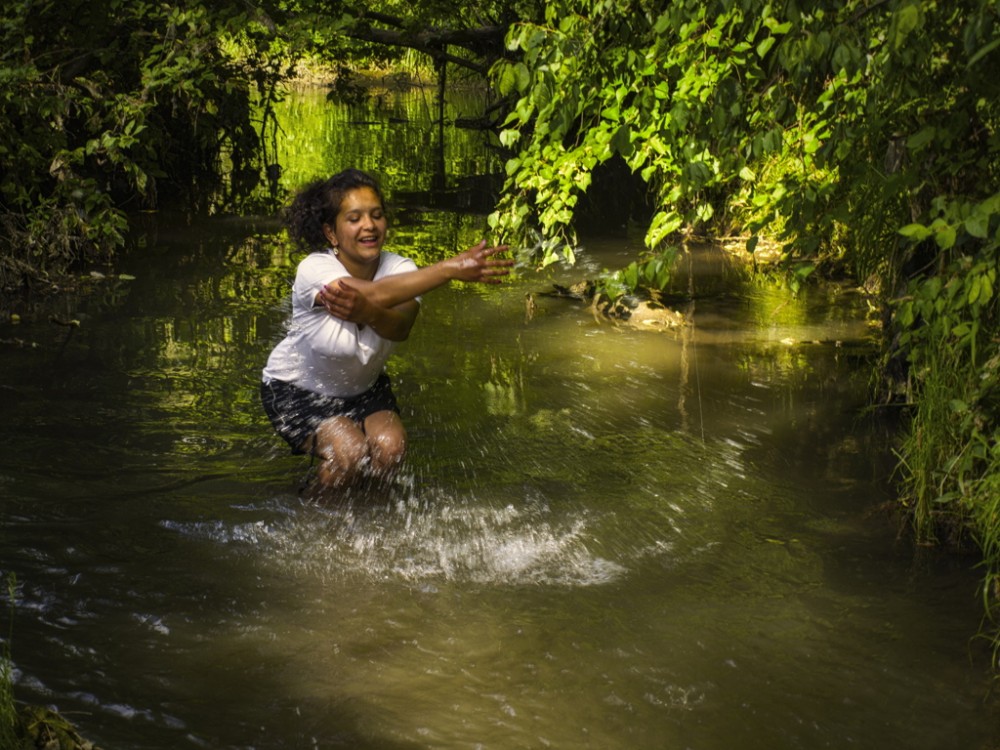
(345, 300)
(477, 264)
(394, 323)
(403, 287)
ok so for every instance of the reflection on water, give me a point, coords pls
(603, 538)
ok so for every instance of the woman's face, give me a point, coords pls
(359, 232)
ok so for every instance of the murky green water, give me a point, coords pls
(604, 538)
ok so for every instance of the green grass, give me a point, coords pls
(8, 711)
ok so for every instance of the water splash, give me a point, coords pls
(424, 537)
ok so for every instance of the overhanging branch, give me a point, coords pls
(434, 42)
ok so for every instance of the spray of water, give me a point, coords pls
(422, 536)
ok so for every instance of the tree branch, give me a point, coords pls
(433, 42)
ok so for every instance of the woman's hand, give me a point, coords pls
(480, 264)
(344, 301)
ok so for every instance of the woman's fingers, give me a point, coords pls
(339, 299)
(488, 251)
(488, 268)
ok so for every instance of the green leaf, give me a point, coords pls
(523, 76)
(843, 56)
(978, 225)
(917, 232)
(765, 45)
(975, 288)
(986, 289)
(509, 137)
(905, 21)
(921, 138)
(905, 315)
(983, 52)
(777, 28)
(805, 270)
(630, 275)
(508, 80)
(945, 237)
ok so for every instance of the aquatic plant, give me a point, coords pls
(29, 726)
(8, 710)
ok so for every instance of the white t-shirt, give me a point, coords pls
(322, 353)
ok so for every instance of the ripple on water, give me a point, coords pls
(423, 539)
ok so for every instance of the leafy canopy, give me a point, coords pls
(860, 135)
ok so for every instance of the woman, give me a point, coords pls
(324, 387)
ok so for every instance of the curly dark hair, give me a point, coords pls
(318, 203)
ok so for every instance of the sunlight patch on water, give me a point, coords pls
(426, 540)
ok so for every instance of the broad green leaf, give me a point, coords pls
(905, 20)
(921, 138)
(777, 28)
(945, 237)
(975, 287)
(978, 225)
(523, 76)
(986, 291)
(916, 232)
(508, 80)
(509, 137)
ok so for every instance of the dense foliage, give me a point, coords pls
(111, 106)
(861, 135)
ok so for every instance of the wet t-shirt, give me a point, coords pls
(322, 353)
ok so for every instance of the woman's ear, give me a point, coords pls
(331, 237)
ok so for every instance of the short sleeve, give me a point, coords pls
(313, 273)
(393, 264)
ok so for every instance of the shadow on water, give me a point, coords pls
(603, 537)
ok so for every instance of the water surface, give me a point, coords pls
(602, 538)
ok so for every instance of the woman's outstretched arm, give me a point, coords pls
(477, 264)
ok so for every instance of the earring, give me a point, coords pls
(336, 250)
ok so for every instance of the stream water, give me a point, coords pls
(603, 537)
